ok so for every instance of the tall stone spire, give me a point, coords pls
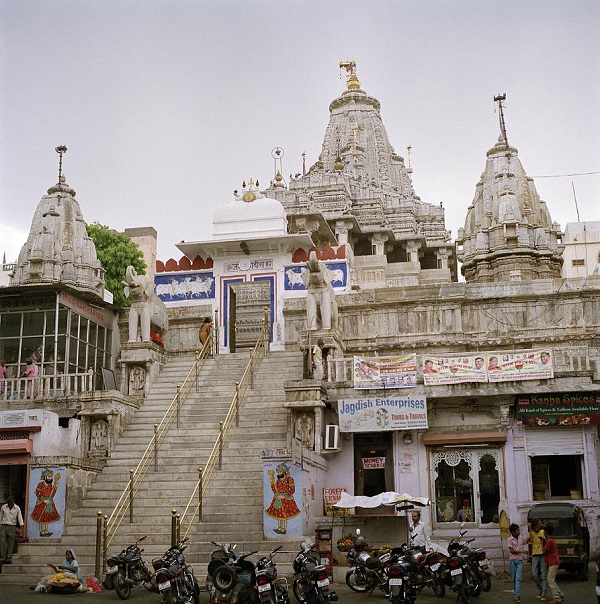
(58, 249)
(508, 233)
(359, 192)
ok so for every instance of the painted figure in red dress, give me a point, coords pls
(283, 507)
(45, 512)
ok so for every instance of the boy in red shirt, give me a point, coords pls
(552, 560)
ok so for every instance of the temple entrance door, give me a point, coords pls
(14, 474)
(232, 318)
(247, 305)
(373, 468)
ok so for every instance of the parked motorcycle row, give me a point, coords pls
(236, 579)
(233, 578)
(405, 571)
(170, 576)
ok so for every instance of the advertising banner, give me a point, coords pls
(518, 366)
(385, 372)
(454, 369)
(381, 414)
(558, 409)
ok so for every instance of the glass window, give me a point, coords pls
(466, 484)
(10, 325)
(33, 323)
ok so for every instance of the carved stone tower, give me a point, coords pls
(508, 233)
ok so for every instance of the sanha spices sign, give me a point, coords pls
(558, 409)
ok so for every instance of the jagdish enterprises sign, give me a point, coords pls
(380, 414)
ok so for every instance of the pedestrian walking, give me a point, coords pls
(10, 519)
(516, 547)
(552, 560)
(536, 538)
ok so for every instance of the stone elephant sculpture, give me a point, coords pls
(146, 307)
(321, 305)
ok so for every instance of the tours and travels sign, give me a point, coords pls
(380, 414)
(558, 409)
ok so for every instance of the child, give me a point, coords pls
(552, 560)
(516, 546)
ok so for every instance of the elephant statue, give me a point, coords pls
(146, 307)
(320, 297)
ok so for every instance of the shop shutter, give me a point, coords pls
(555, 441)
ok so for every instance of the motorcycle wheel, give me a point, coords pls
(298, 589)
(463, 594)
(121, 586)
(281, 595)
(486, 582)
(225, 579)
(476, 588)
(356, 582)
(438, 587)
(170, 597)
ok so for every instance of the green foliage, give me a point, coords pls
(115, 253)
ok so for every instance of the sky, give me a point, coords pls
(166, 106)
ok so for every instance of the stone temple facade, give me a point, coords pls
(482, 395)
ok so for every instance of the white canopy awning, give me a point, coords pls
(387, 498)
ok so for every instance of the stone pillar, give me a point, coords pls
(342, 227)
(379, 240)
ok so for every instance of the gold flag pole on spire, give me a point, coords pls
(352, 81)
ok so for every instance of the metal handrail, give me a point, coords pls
(160, 432)
(215, 455)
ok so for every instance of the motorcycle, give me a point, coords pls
(126, 570)
(458, 574)
(400, 577)
(270, 588)
(311, 581)
(480, 567)
(367, 572)
(175, 580)
(232, 578)
(427, 570)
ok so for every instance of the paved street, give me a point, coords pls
(576, 592)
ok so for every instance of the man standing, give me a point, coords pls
(10, 519)
(317, 360)
(419, 535)
(537, 538)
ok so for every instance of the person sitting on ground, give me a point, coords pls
(69, 565)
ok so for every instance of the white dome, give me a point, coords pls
(241, 219)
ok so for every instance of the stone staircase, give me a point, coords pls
(233, 507)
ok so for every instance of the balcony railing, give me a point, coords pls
(46, 386)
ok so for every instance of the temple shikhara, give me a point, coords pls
(462, 371)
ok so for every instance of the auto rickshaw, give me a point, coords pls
(571, 533)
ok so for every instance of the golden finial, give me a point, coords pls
(352, 82)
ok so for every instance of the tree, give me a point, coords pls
(115, 253)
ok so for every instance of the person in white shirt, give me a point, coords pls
(10, 519)
(419, 535)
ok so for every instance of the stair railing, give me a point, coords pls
(215, 457)
(161, 430)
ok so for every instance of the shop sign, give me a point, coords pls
(558, 409)
(374, 463)
(381, 414)
(332, 496)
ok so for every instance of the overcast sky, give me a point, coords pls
(166, 106)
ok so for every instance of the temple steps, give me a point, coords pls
(233, 507)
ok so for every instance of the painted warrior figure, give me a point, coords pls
(45, 512)
(283, 507)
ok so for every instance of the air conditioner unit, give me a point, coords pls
(332, 438)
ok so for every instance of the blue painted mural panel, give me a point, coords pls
(184, 286)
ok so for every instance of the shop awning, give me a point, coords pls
(16, 446)
(454, 439)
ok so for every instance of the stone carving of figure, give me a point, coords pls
(99, 437)
(320, 298)
(138, 288)
(304, 430)
(137, 377)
